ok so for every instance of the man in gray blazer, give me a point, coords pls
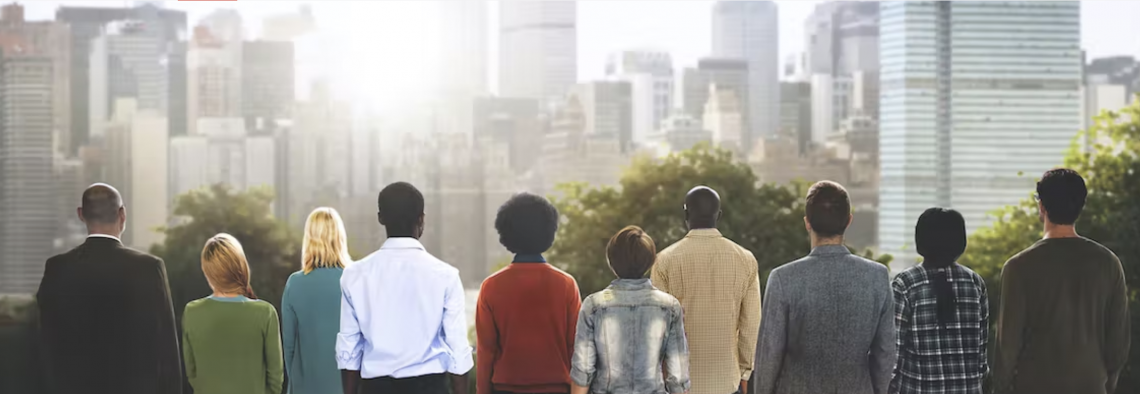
(827, 324)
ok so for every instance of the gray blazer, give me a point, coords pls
(827, 326)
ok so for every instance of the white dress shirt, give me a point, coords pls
(402, 315)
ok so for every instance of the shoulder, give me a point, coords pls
(195, 306)
(563, 276)
(264, 306)
(666, 299)
(1102, 251)
(1023, 257)
(908, 278)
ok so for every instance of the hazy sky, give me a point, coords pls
(396, 38)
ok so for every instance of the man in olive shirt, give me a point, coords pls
(1063, 326)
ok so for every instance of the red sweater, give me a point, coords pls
(525, 322)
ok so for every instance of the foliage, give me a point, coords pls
(272, 249)
(766, 219)
(1111, 216)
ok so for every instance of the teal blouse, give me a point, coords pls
(310, 312)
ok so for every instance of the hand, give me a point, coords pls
(743, 387)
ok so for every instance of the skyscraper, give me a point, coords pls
(136, 144)
(972, 114)
(750, 31)
(724, 73)
(651, 75)
(538, 48)
(26, 189)
(268, 80)
(128, 60)
(214, 75)
(87, 23)
(463, 49)
(607, 110)
(43, 38)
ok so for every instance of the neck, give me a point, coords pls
(702, 225)
(402, 235)
(833, 241)
(103, 231)
(1060, 231)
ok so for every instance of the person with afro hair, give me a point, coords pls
(527, 312)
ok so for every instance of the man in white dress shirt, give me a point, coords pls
(403, 327)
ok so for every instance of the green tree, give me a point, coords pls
(1111, 216)
(766, 219)
(272, 249)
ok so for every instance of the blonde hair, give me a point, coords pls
(325, 245)
(225, 266)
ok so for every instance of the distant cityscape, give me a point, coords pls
(907, 104)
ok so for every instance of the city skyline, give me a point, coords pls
(683, 29)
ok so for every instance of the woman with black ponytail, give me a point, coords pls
(941, 313)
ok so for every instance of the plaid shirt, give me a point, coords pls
(933, 359)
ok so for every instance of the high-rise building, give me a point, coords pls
(128, 60)
(1115, 70)
(268, 80)
(571, 154)
(678, 132)
(27, 202)
(971, 114)
(724, 119)
(538, 48)
(831, 103)
(795, 113)
(608, 110)
(289, 26)
(651, 75)
(841, 37)
(214, 76)
(320, 151)
(724, 73)
(516, 122)
(19, 37)
(750, 31)
(223, 151)
(87, 23)
(136, 144)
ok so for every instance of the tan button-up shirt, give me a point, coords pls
(718, 285)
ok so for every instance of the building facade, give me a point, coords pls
(651, 75)
(128, 60)
(971, 114)
(268, 81)
(750, 31)
(607, 107)
(538, 48)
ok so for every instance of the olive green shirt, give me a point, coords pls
(232, 346)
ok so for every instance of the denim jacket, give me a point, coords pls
(625, 334)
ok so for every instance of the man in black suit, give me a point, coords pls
(106, 319)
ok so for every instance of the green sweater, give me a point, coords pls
(232, 345)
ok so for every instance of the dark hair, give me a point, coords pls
(828, 209)
(1062, 192)
(400, 207)
(940, 236)
(631, 252)
(526, 224)
(101, 204)
(702, 207)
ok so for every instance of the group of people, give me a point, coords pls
(685, 319)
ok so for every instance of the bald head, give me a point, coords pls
(101, 206)
(702, 207)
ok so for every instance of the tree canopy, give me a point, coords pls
(1111, 216)
(272, 249)
(766, 219)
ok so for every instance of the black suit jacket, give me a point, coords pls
(107, 323)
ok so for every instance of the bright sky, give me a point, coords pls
(391, 43)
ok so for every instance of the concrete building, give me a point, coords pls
(830, 104)
(70, 180)
(795, 113)
(87, 23)
(726, 73)
(1115, 70)
(288, 26)
(725, 120)
(136, 145)
(463, 49)
(538, 48)
(1013, 111)
(608, 110)
(268, 80)
(127, 61)
(223, 152)
(320, 150)
(750, 31)
(517, 122)
(215, 78)
(842, 37)
(571, 154)
(20, 37)
(678, 132)
(27, 201)
(650, 74)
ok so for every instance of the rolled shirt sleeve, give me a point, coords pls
(349, 341)
(455, 328)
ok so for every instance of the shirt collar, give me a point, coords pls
(237, 298)
(402, 243)
(529, 258)
(704, 232)
(830, 250)
(631, 284)
(105, 236)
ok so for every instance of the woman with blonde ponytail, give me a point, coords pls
(230, 340)
(310, 306)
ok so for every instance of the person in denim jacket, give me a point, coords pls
(630, 336)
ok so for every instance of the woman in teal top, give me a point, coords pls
(230, 340)
(311, 306)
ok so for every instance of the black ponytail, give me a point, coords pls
(940, 236)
